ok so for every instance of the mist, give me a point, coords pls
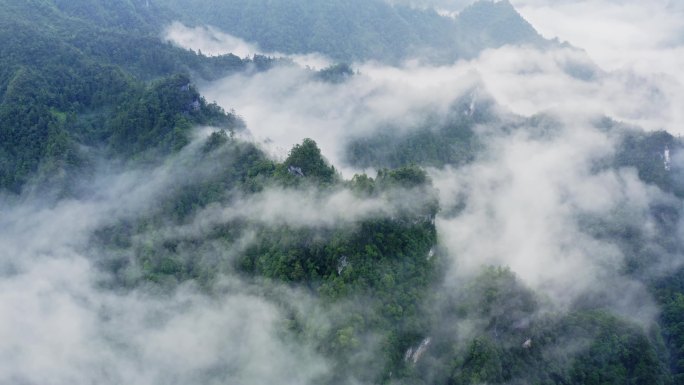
(523, 208)
(211, 41)
(526, 194)
(641, 40)
(73, 318)
(535, 200)
(285, 104)
(63, 324)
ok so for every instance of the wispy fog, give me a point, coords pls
(212, 42)
(69, 320)
(442, 6)
(616, 34)
(644, 38)
(209, 41)
(525, 197)
(523, 201)
(284, 105)
(62, 324)
(524, 205)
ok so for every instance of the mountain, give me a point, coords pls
(363, 29)
(491, 24)
(146, 241)
(87, 56)
(437, 141)
(68, 68)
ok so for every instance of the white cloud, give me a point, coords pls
(284, 105)
(210, 41)
(58, 327)
(638, 39)
(523, 205)
(62, 325)
(523, 200)
(213, 42)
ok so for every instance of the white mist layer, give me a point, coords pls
(523, 205)
(210, 41)
(61, 326)
(615, 33)
(213, 42)
(284, 105)
(525, 197)
(644, 38)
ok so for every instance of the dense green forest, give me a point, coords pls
(439, 140)
(364, 29)
(392, 265)
(90, 95)
(70, 81)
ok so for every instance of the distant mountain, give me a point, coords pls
(141, 16)
(363, 29)
(452, 139)
(214, 266)
(437, 141)
(487, 24)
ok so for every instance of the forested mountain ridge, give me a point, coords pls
(66, 71)
(189, 255)
(93, 53)
(364, 30)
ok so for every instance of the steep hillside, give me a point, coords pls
(66, 72)
(364, 30)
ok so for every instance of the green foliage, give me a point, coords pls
(436, 142)
(670, 294)
(386, 262)
(407, 177)
(215, 140)
(77, 73)
(382, 261)
(492, 331)
(305, 162)
(619, 354)
(481, 364)
(161, 117)
(336, 73)
(91, 75)
(354, 30)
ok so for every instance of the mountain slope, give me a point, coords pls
(356, 271)
(490, 24)
(66, 71)
(363, 29)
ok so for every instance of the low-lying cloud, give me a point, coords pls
(518, 204)
(59, 328)
(213, 42)
(209, 41)
(525, 194)
(62, 324)
(283, 105)
(640, 39)
(523, 206)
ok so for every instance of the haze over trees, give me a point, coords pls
(363, 30)
(148, 237)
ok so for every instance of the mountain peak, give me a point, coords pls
(492, 10)
(494, 23)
